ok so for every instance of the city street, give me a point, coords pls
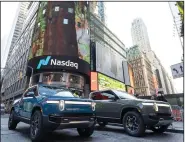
(108, 134)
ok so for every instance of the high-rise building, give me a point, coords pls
(98, 9)
(16, 31)
(142, 70)
(62, 32)
(140, 35)
(101, 10)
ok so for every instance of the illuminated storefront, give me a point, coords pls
(101, 82)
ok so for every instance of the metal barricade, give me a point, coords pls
(177, 113)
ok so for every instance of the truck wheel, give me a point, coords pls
(12, 123)
(102, 124)
(160, 129)
(85, 132)
(133, 124)
(36, 127)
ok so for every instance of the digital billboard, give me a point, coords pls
(105, 82)
(155, 82)
(59, 63)
(131, 75)
(62, 29)
(94, 81)
(109, 62)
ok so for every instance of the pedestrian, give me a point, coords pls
(136, 95)
(161, 97)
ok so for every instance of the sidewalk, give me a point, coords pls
(177, 127)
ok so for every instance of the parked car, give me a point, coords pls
(2, 109)
(135, 114)
(47, 108)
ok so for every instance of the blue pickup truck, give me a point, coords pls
(47, 108)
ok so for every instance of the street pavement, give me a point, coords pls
(108, 134)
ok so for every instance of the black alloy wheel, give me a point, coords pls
(36, 127)
(86, 132)
(12, 123)
(133, 124)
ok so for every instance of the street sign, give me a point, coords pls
(177, 70)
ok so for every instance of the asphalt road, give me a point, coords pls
(108, 134)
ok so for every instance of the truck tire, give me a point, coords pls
(36, 127)
(12, 123)
(86, 132)
(133, 124)
(160, 129)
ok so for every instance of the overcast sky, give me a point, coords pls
(159, 22)
(156, 16)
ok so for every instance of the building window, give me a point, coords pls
(65, 21)
(57, 8)
(70, 10)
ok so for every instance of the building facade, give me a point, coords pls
(56, 46)
(140, 35)
(17, 26)
(140, 38)
(15, 79)
(107, 71)
(142, 70)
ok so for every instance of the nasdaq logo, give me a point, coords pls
(43, 62)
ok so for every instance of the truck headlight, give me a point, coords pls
(93, 105)
(61, 105)
(155, 107)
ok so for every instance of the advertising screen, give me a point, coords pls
(131, 75)
(61, 29)
(94, 81)
(109, 62)
(105, 82)
(155, 82)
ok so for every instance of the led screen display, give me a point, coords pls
(105, 82)
(109, 62)
(61, 28)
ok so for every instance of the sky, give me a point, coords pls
(156, 16)
(159, 22)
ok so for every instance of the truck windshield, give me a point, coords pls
(54, 91)
(123, 95)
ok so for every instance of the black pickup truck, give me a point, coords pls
(135, 114)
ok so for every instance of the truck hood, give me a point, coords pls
(152, 101)
(58, 98)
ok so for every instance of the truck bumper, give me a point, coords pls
(156, 120)
(58, 122)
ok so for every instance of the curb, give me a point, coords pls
(175, 131)
(168, 130)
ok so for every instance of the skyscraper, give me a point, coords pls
(140, 35)
(98, 9)
(101, 10)
(16, 31)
